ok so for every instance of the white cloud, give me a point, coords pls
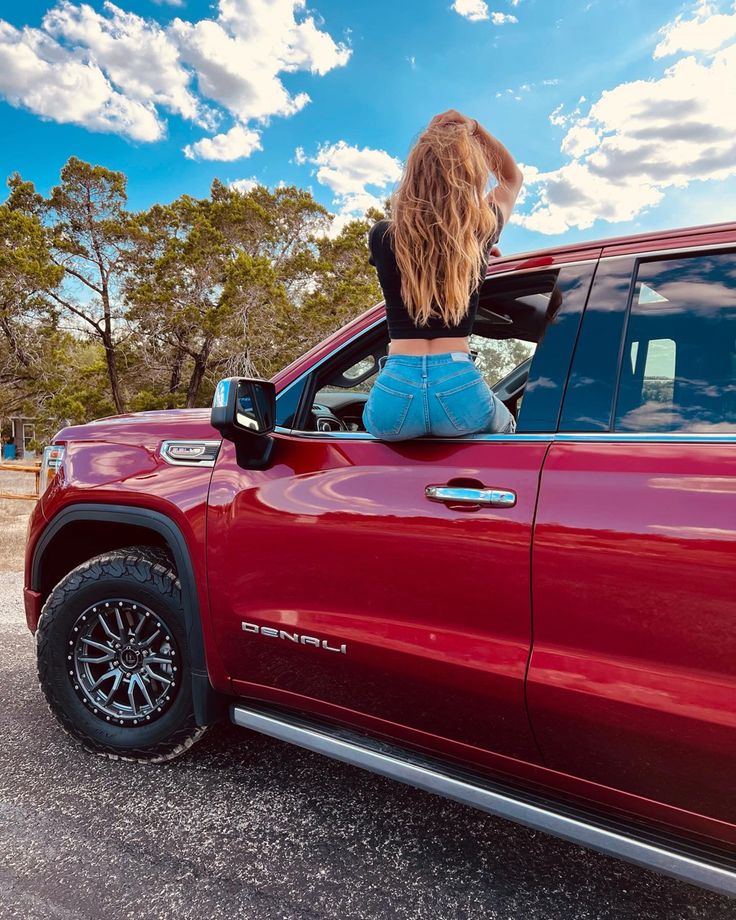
(531, 177)
(234, 144)
(243, 185)
(477, 10)
(349, 171)
(639, 139)
(37, 73)
(238, 57)
(300, 157)
(527, 88)
(558, 117)
(579, 139)
(474, 10)
(573, 196)
(117, 71)
(173, 2)
(706, 31)
(137, 55)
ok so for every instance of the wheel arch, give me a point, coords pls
(120, 524)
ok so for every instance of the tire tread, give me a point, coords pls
(147, 565)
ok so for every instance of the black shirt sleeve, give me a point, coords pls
(375, 239)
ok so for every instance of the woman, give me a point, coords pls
(431, 257)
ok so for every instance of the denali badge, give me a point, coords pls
(293, 637)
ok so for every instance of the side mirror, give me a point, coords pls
(244, 404)
(244, 412)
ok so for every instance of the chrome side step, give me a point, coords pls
(378, 759)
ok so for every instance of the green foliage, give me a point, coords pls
(27, 271)
(349, 284)
(103, 310)
(498, 357)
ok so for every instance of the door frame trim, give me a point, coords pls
(562, 437)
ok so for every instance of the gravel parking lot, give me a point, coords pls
(247, 827)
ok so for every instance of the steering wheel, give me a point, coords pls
(325, 420)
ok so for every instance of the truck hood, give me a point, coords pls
(144, 429)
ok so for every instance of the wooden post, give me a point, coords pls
(34, 468)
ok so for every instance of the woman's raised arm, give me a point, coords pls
(504, 167)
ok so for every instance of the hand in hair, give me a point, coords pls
(500, 162)
(451, 117)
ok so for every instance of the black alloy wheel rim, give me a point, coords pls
(123, 662)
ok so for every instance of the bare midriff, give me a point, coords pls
(428, 346)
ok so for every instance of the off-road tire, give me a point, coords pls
(144, 574)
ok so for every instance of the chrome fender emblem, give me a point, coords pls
(297, 638)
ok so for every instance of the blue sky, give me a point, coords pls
(621, 112)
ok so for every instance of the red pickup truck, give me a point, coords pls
(541, 624)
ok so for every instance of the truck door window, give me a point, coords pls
(516, 312)
(287, 403)
(680, 352)
(658, 383)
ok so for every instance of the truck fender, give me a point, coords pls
(208, 703)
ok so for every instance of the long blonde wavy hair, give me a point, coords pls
(441, 222)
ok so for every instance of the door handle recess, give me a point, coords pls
(465, 495)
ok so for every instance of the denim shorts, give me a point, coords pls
(442, 395)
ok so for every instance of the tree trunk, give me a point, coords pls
(175, 379)
(198, 372)
(110, 354)
(112, 372)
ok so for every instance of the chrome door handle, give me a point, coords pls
(463, 495)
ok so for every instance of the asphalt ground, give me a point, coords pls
(247, 827)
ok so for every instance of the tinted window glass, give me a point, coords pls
(590, 391)
(287, 403)
(551, 363)
(679, 363)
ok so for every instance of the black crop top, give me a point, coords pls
(400, 323)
